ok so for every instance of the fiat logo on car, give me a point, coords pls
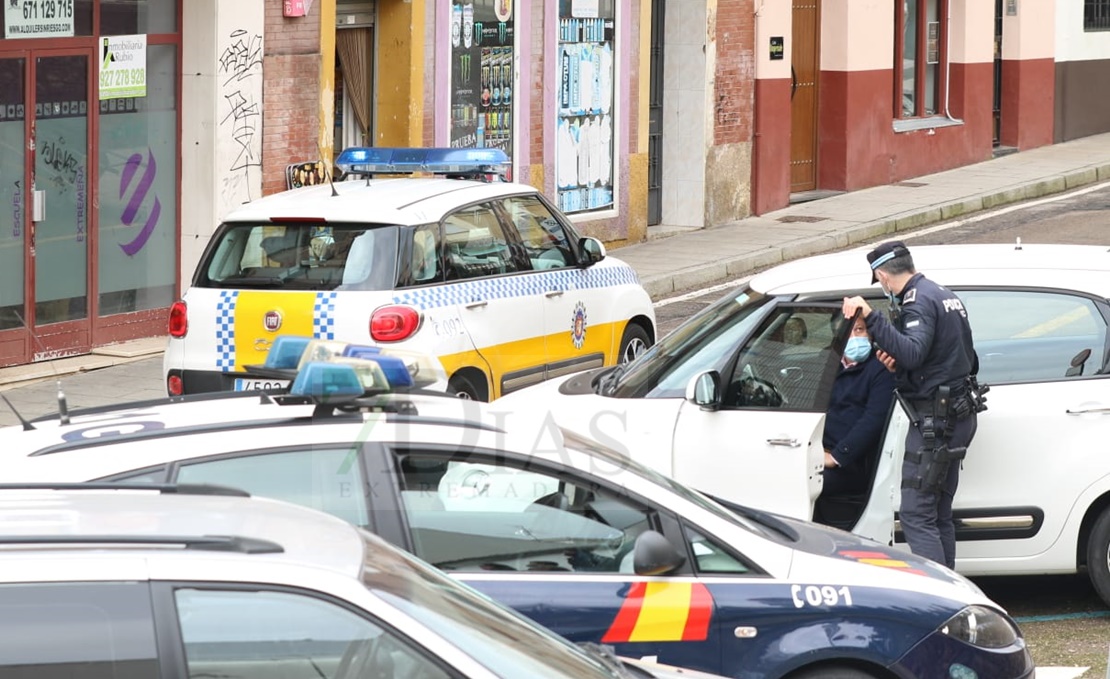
(272, 320)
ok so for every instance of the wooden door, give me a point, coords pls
(805, 66)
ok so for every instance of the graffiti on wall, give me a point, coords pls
(240, 68)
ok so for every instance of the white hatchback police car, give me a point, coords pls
(486, 275)
(733, 402)
(585, 541)
(201, 581)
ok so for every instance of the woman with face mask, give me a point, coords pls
(858, 408)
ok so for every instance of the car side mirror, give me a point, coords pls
(593, 251)
(704, 390)
(653, 554)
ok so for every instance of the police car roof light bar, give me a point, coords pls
(368, 161)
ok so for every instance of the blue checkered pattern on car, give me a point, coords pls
(520, 285)
(323, 316)
(225, 330)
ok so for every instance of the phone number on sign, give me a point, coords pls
(122, 77)
(47, 9)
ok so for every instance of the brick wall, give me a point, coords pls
(290, 93)
(534, 123)
(735, 72)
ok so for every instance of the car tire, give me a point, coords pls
(466, 387)
(634, 342)
(1098, 555)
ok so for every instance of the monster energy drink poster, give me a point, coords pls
(482, 74)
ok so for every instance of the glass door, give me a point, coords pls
(44, 205)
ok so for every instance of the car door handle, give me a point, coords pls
(789, 443)
(553, 293)
(1087, 411)
(476, 305)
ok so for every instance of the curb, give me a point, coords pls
(720, 271)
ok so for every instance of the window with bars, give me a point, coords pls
(1096, 15)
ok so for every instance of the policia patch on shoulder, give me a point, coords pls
(910, 297)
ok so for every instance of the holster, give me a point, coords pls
(934, 457)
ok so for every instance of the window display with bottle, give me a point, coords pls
(482, 74)
(586, 76)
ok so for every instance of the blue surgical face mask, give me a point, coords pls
(857, 349)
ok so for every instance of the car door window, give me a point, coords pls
(1030, 335)
(787, 363)
(545, 241)
(92, 630)
(424, 262)
(264, 634)
(711, 557)
(475, 245)
(482, 516)
(330, 480)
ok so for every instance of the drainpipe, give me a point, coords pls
(948, 67)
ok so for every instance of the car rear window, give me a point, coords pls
(301, 256)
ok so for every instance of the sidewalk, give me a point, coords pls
(677, 258)
(681, 258)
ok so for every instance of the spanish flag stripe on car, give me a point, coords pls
(662, 611)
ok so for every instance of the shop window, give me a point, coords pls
(1096, 15)
(138, 192)
(482, 68)
(586, 75)
(47, 19)
(130, 17)
(920, 57)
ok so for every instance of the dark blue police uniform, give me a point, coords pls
(854, 424)
(930, 340)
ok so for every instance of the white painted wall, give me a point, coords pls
(221, 117)
(857, 35)
(684, 112)
(1029, 34)
(1072, 42)
(971, 40)
(772, 18)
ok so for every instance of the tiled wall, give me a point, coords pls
(684, 113)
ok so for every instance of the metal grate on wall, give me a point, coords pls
(1096, 15)
(354, 13)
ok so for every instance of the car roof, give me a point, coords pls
(201, 520)
(1075, 267)
(409, 200)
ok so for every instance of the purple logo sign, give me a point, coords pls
(141, 189)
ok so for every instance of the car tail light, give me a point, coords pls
(179, 320)
(174, 385)
(393, 323)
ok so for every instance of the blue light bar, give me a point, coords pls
(394, 368)
(362, 160)
(285, 352)
(327, 382)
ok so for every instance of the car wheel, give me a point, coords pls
(634, 342)
(1098, 555)
(465, 386)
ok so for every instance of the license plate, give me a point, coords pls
(245, 384)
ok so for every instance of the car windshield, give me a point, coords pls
(704, 342)
(503, 641)
(301, 256)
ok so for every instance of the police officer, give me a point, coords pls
(928, 345)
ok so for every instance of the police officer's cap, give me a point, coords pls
(883, 253)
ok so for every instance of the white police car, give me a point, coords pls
(207, 582)
(486, 275)
(585, 541)
(733, 404)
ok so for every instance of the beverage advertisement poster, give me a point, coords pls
(482, 74)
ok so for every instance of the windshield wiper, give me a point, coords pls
(606, 382)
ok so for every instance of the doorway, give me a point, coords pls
(45, 204)
(804, 69)
(996, 109)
